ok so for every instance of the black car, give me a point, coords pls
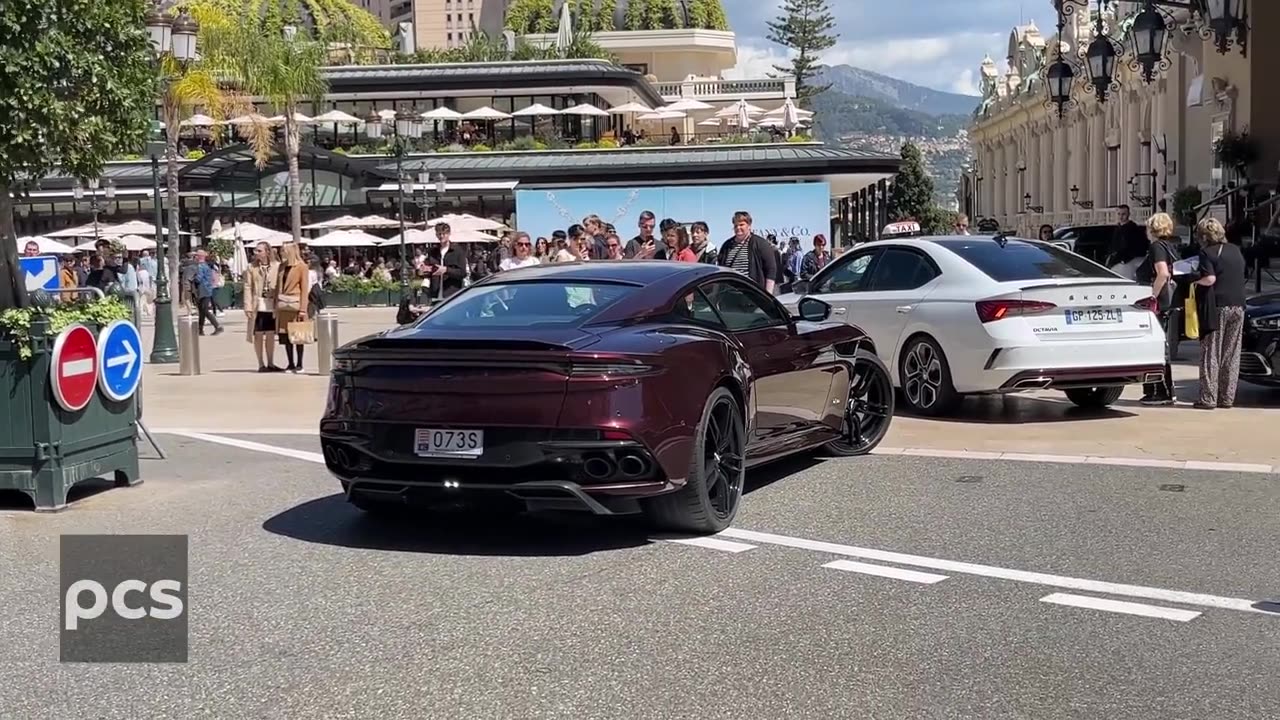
(1091, 241)
(1260, 355)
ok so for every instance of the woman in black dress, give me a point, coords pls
(1157, 270)
(1220, 306)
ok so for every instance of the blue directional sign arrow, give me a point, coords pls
(41, 272)
(119, 360)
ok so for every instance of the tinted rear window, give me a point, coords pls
(526, 304)
(1023, 260)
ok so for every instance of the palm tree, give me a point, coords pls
(282, 64)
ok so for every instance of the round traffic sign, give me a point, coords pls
(119, 360)
(74, 367)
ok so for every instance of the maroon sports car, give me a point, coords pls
(613, 387)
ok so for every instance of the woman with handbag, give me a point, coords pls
(1157, 269)
(1220, 304)
(260, 304)
(293, 290)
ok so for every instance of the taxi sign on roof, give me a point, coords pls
(899, 229)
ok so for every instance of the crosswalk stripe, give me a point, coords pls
(886, 572)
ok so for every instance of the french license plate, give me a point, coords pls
(1094, 316)
(430, 442)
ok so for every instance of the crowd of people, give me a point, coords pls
(105, 267)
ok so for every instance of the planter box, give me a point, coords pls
(340, 299)
(45, 450)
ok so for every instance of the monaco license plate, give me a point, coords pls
(431, 442)
(1094, 316)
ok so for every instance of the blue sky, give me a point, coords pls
(935, 43)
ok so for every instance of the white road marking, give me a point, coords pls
(1119, 606)
(314, 457)
(74, 368)
(313, 430)
(1035, 578)
(886, 571)
(1080, 460)
(715, 544)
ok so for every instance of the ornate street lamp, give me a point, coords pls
(109, 192)
(1226, 18)
(373, 126)
(1075, 199)
(1148, 35)
(1060, 77)
(1100, 59)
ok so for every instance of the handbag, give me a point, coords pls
(302, 332)
(1191, 315)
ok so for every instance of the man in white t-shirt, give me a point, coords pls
(523, 257)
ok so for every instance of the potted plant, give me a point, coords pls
(1237, 151)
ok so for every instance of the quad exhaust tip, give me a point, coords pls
(599, 467)
(632, 466)
(1040, 382)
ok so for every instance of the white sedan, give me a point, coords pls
(975, 314)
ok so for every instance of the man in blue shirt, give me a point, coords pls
(204, 292)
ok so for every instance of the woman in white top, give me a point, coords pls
(523, 257)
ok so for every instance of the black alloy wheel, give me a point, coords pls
(723, 457)
(868, 408)
(713, 487)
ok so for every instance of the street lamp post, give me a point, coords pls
(1075, 199)
(109, 192)
(171, 39)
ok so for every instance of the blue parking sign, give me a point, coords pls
(119, 360)
(41, 272)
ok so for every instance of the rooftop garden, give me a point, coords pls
(542, 16)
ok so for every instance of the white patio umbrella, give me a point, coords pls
(564, 33)
(631, 107)
(585, 110)
(663, 115)
(351, 222)
(345, 238)
(377, 222)
(298, 118)
(79, 231)
(198, 120)
(442, 113)
(771, 122)
(744, 115)
(710, 122)
(132, 243)
(248, 232)
(688, 105)
(133, 227)
(736, 108)
(536, 110)
(413, 236)
(463, 221)
(47, 245)
(250, 119)
(485, 113)
(339, 117)
(781, 110)
(464, 237)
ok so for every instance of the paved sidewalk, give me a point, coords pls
(232, 397)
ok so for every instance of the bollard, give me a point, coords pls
(326, 340)
(188, 345)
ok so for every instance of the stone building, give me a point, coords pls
(1139, 147)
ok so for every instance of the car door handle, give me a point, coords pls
(904, 309)
(839, 311)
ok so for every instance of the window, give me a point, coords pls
(901, 269)
(527, 304)
(848, 276)
(742, 308)
(1023, 260)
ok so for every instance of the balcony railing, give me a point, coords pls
(717, 89)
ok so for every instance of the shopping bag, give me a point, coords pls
(302, 332)
(1191, 316)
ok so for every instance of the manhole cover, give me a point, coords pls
(969, 479)
(1173, 488)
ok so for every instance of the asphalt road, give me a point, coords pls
(300, 607)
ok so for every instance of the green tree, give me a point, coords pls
(807, 28)
(707, 15)
(637, 15)
(664, 15)
(77, 89)
(280, 62)
(531, 16)
(911, 196)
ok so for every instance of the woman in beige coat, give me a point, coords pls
(260, 283)
(293, 283)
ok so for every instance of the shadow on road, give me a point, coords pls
(1016, 409)
(475, 531)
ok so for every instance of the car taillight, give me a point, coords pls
(992, 310)
(608, 370)
(1148, 304)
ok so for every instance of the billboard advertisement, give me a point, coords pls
(787, 210)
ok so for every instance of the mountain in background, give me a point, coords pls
(839, 115)
(856, 82)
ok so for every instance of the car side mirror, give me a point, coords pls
(813, 310)
(800, 287)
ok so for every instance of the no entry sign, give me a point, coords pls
(74, 370)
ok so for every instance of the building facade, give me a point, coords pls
(1140, 147)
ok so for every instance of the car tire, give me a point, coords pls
(1098, 398)
(869, 407)
(926, 378)
(709, 500)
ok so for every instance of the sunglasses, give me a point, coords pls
(523, 244)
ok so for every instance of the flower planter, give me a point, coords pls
(338, 298)
(45, 450)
